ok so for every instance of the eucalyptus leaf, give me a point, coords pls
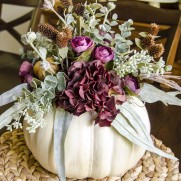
(108, 37)
(96, 6)
(103, 10)
(61, 81)
(63, 52)
(143, 34)
(138, 43)
(98, 15)
(50, 95)
(115, 16)
(33, 84)
(114, 23)
(151, 94)
(107, 27)
(50, 81)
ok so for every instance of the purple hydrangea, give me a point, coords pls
(89, 88)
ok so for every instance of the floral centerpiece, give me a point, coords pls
(82, 81)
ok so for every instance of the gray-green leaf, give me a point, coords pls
(151, 94)
(63, 52)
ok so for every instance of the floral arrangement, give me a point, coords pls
(83, 65)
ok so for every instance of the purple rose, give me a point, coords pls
(104, 54)
(26, 72)
(81, 43)
(132, 83)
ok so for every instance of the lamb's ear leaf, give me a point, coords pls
(7, 116)
(135, 133)
(11, 95)
(151, 94)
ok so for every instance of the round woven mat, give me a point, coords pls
(18, 164)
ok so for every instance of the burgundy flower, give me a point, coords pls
(104, 54)
(26, 72)
(81, 43)
(88, 88)
(132, 83)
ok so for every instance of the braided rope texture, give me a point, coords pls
(18, 164)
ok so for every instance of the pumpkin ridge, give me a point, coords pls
(132, 153)
(92, 149)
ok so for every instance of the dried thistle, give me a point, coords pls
(163, 80)
(48, 30)
(154, 29)
(68, 32)
(61, 39)
(60, 11)
(79, 9)
(66, 3)
(156, 50)
(147, 41)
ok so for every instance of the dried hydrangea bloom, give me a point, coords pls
(89, 88)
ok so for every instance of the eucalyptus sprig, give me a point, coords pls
(37, 103)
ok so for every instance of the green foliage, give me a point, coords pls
(37, 103)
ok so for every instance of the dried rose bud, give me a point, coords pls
(154, 29)
(156, 50)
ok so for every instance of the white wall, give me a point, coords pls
(10, 12)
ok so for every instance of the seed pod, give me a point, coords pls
(156, 50)
(39, 71)
(62, 39)
(147, 41)
(154, 29)
(68, 32)
(48, 30)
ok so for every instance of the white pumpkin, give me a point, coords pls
(90, 150)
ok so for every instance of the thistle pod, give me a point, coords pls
(156, 50)
(154, 29)
(147, 41)
(40, 70)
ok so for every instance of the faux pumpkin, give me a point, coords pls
(40, 72)
(90, 150)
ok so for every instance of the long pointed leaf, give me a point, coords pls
(121, 125)
(7, 116)
(8, 96)
(135, 120)
(151, 94)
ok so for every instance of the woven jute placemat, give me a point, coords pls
(18, 164)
